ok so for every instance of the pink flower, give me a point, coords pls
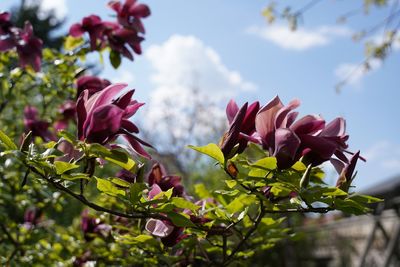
(29, 47)
(92, 83)
(309, 137)
(38, 127)
(93, 26)
(130, 13)
(102, 117)
(158, 176)
(242, 126)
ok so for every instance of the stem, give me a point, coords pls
(248, 234)
(81, 198)
(224, 247)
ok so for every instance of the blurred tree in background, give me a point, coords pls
(46, 24)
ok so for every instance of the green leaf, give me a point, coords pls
(184, 204)
(180, 220)
(142, 238)
(365, 199)
(211, 150)
(201, 191)
(115, 59)
(299, 166)
(117, 157)
(261, 167)
(7, 142)
(120, 182)
(268, 163)
(75, 176)
(350, 206)
(135, 192)
(62, 166)
(71, 43)
(241, 202)
(108, 187)
(67, 136)
(231, 183)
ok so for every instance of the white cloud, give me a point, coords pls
(353, 74)
(301, 39)
(186, 61)
(191, 87)
(385, 155)
(58, 6)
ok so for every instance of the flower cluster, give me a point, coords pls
(123, 36)
(28, 47)
(168, 233)
(275, 128)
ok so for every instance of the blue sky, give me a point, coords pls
(230, 51)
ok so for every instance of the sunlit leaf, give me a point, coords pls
(108, 187)
(211, 150)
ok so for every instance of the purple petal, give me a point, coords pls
(337, 127)
(155, 190)
(129, 126)
(338, 165)
(282, 119)
(319, 145)
(265, 121)
(7, 44)
(159, 228)
(139, 10)
(231, 110)
(286, 146)
(136, 146)
(104, 122)
(124, 100)
(104, 96)
(76, 30)
(310, 124)
(81, 112)
(230, 138)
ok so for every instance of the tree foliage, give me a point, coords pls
(71, 193)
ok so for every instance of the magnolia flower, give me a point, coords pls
(242, 126)
(345, 171)
(102, 117)
(129, 14)
(92, 226)
(67, 112)
(158, 176)
(92, 83)
(29, 47)
(120, 39)
(32, 217)
(288, 140)
(93, 25)
(38, 127)
(168, 233)
(5, 23)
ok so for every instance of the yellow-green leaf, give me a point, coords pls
(8, 143)
(108, 187)
(211, 150)
(62, 167)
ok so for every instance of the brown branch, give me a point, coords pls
(81, 198)
(248, 234)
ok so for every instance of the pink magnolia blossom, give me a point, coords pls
(103, 117)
